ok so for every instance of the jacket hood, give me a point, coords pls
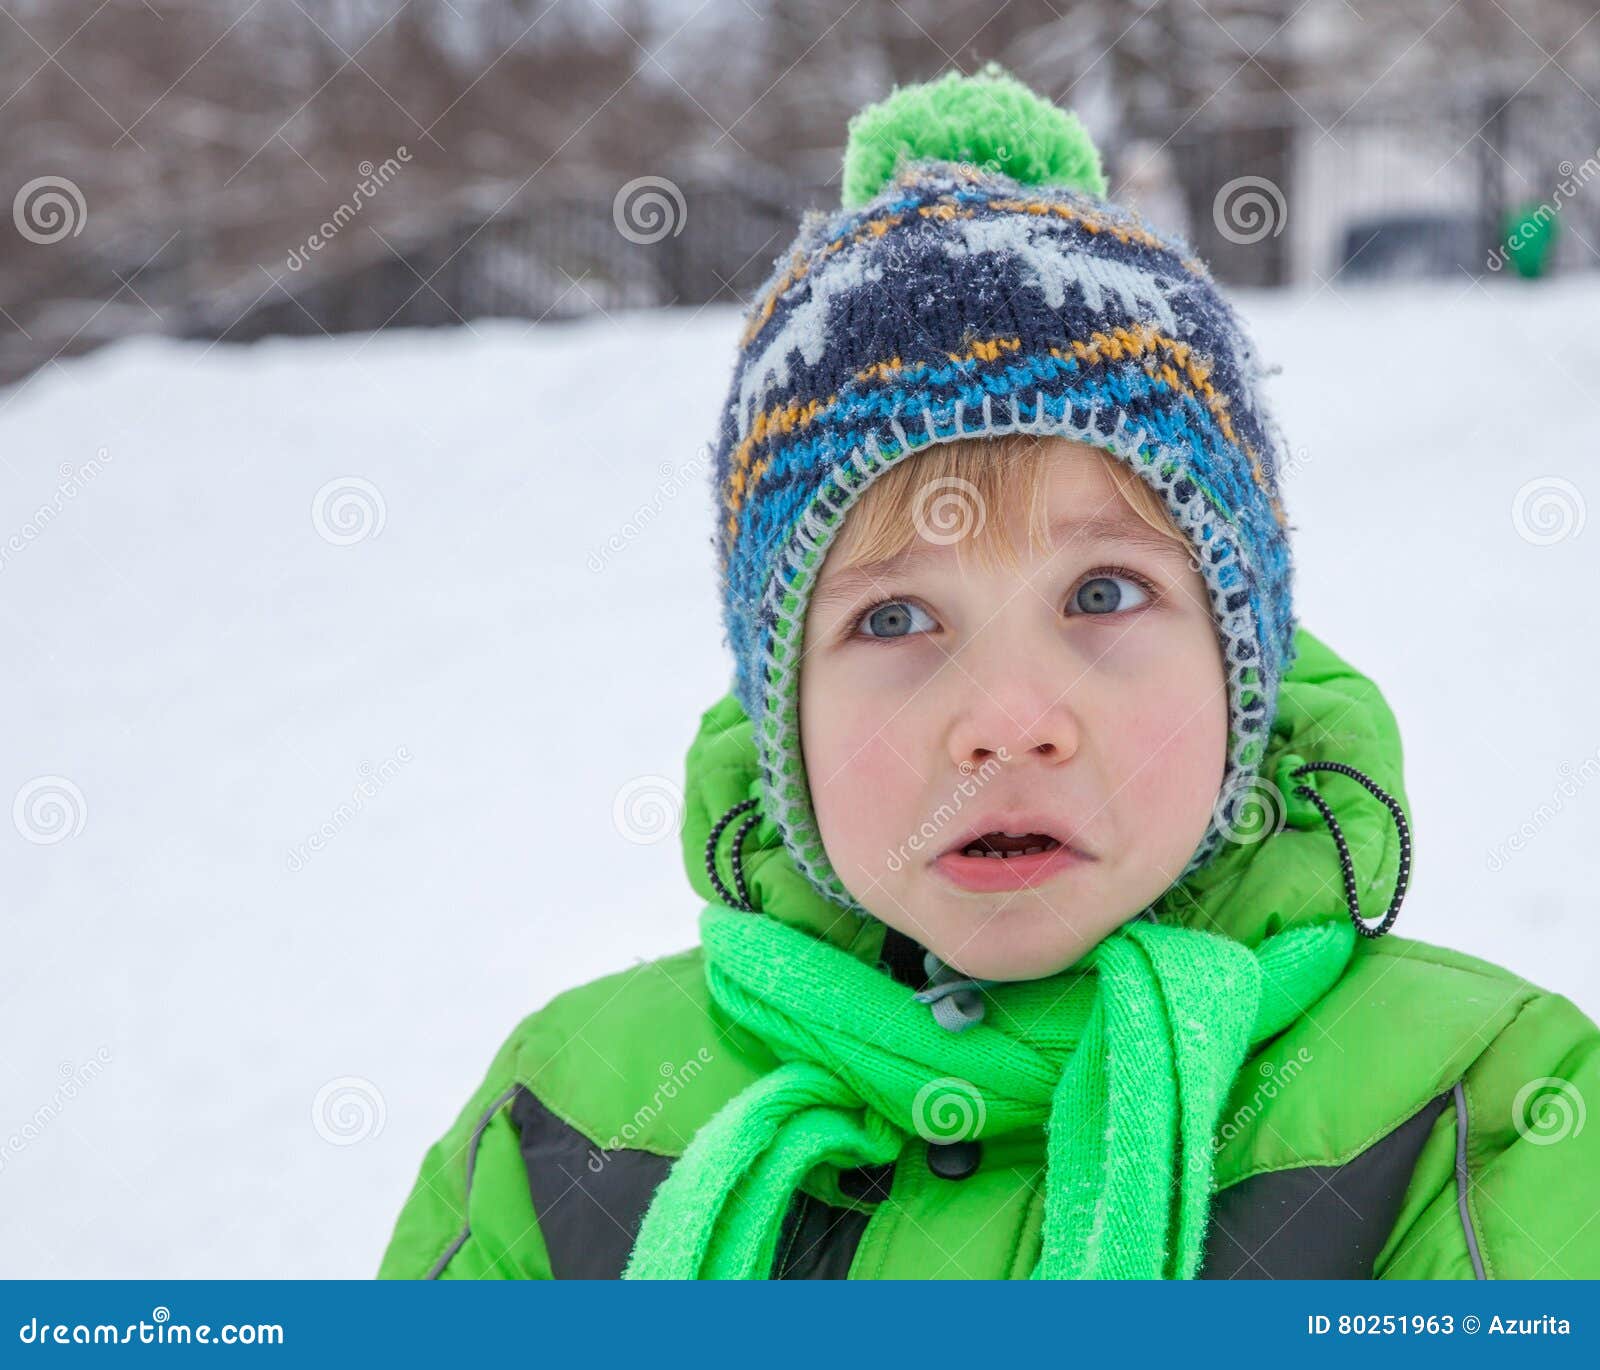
(1279, 872)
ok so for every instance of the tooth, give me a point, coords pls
(1029, 851)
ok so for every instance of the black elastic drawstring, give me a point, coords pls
(1306, 792)
(742, 901)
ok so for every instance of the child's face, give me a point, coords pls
(941, 700)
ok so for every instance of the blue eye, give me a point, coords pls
(896, 618)
(1102, 595)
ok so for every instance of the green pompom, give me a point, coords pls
(990, 120)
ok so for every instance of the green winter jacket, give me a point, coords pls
(1424, 1119)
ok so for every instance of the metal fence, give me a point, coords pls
(560, 256)
(1355, 195)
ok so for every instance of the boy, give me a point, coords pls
(1050, 861)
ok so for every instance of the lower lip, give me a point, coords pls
(988, 874)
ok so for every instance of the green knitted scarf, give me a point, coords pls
(1126, 1058)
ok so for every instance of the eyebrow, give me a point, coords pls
(1130, 532)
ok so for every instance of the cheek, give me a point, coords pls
(859, 784)
(1171, 746)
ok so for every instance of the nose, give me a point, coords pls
(1013, 723)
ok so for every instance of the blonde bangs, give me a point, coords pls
(989, 486)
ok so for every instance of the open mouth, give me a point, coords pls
(1007, 859)
(1003, 845)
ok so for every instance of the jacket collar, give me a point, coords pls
(1279, 872)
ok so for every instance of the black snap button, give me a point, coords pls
(954, 1160)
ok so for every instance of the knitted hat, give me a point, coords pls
(976, 283)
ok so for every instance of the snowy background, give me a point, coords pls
(201, 658)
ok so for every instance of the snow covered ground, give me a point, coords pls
(228, 1047)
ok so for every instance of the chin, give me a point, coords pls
(1003, 966)
(1012, 954)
